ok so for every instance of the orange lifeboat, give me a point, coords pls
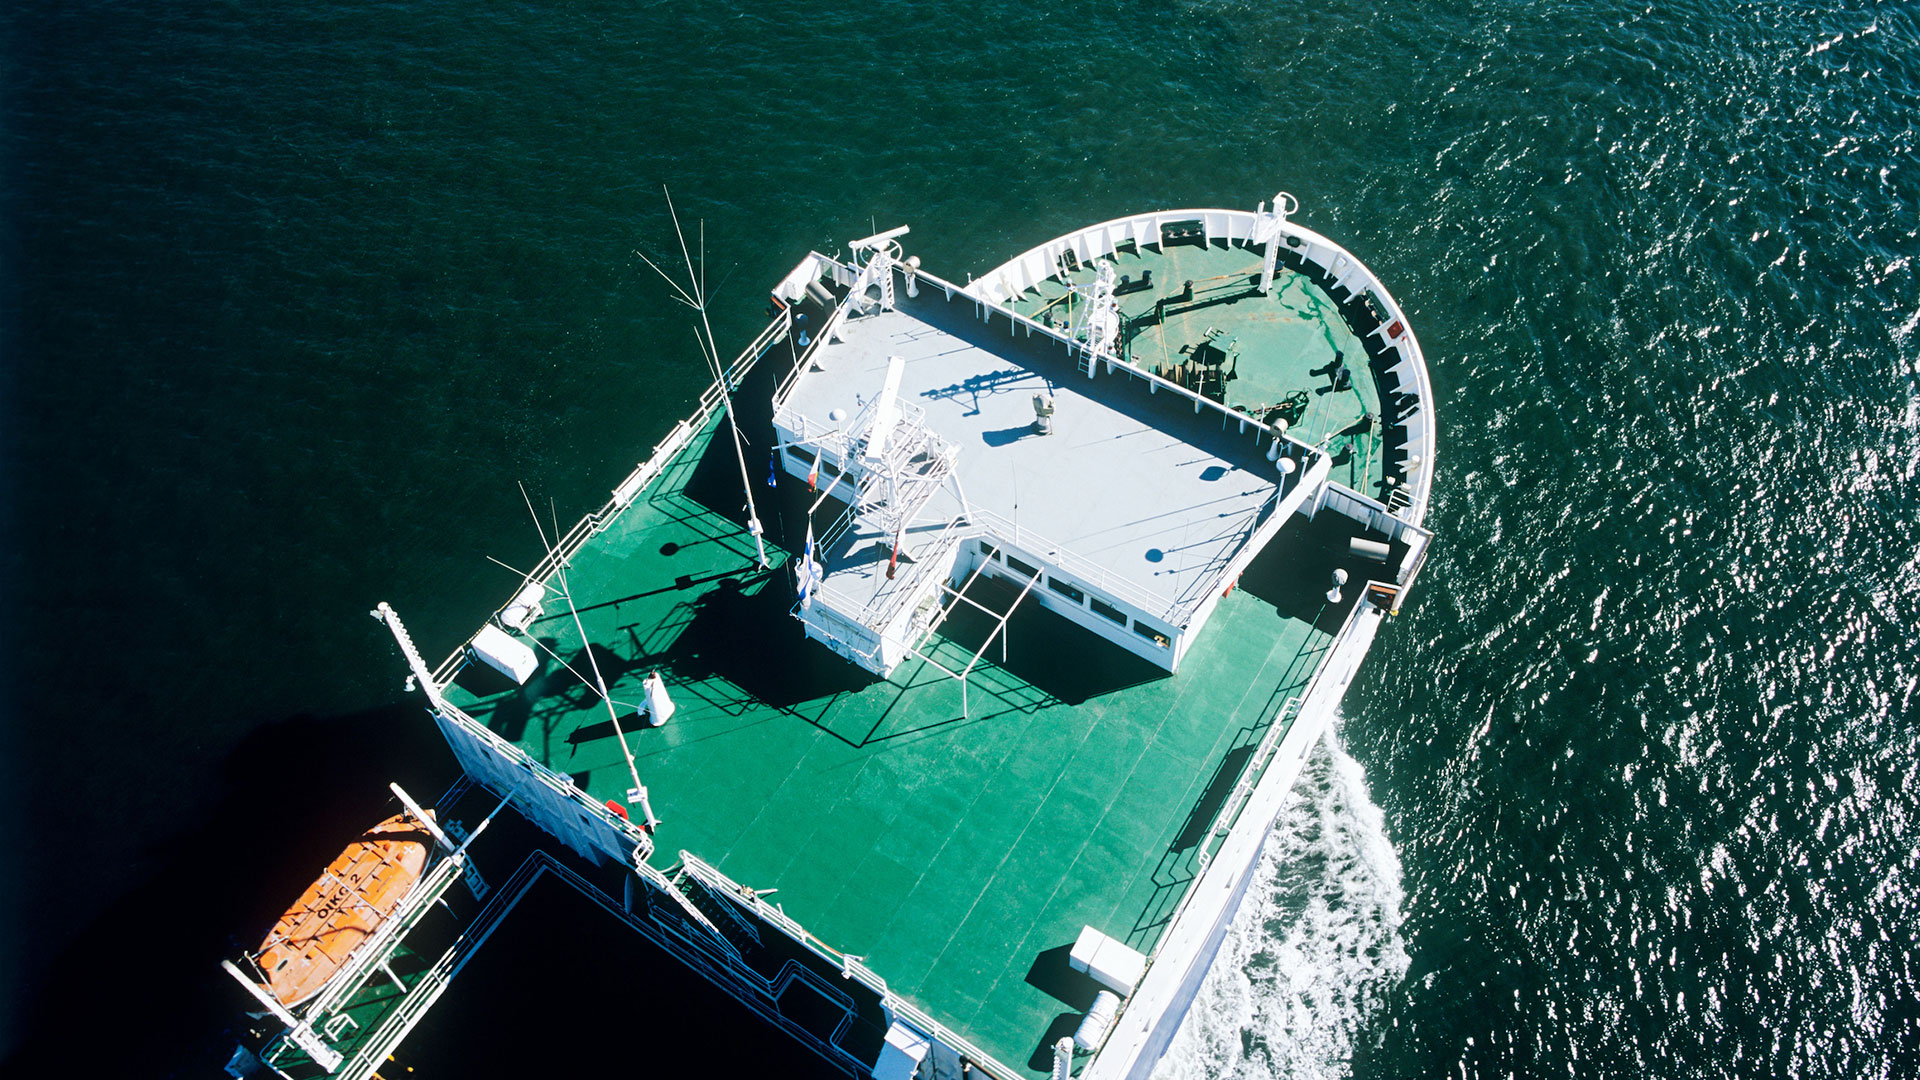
(343, 908)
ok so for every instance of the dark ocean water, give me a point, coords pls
(295, 293)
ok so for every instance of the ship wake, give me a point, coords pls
(1316, 946)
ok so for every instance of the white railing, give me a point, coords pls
(1364, 508)
(1229, 814)
(1377, 515)
(1089, 572)
(1037, 264)
(1010, 279)
(1158, 384)
(909, 416)
(643, 475)
(1256, 766)
(927, 560)
(878, 611)
(850, 966)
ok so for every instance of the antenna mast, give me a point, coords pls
(639, 792)
(695, 297)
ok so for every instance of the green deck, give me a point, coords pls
(958, 856)
(1282, 338)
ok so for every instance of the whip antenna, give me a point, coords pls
(639, 791)
(694, 295)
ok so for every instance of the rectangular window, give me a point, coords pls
(1108, 611)
(1021, 568)
(1150, 633)
(1066, 590)
(799, 452)
(988, 551)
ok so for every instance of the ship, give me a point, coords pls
(931, 687)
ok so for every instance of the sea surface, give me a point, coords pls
(295, 293)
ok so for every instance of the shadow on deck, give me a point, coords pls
(1065, 661)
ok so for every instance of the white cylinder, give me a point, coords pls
(1368, 549)
(1093, 1030)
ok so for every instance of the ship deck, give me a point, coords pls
(1286, 340)
(958, 855)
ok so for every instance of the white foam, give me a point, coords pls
(1315, 947)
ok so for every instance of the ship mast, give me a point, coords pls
(639, 791)
(694, 295)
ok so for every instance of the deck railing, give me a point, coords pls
(1028, 269)
(1092, 573)
(879, 611)
(643, 475)
(1079, 350)
(1229, 813)
(850, 966)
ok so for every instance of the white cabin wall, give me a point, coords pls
(549, 801)
(1081, 614)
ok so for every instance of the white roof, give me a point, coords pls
(1142, 486)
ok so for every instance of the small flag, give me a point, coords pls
(809, 572)
(813, 474)
(773, 470)
(893, 563)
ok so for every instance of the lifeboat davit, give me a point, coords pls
(343, 908)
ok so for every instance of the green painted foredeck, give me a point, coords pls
(949, 852)
(1282, 337)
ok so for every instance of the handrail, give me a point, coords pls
(888, 602)
(1106, 237)
(897, 594)
(850, 966)
(929, 556)
(1016, 535)
(1402, 529)
(1229, 813)
(641, 477)
(1079, 348)
(885, 604)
